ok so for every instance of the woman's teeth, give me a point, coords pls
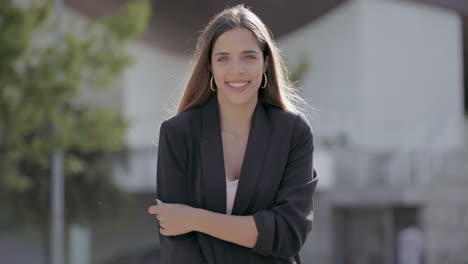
(238, 84)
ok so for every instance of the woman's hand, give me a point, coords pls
(174, 219)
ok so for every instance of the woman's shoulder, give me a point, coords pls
(182, 121)
(286, 118)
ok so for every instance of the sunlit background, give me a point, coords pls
(85, 85)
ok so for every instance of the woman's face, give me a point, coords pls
(237, 64)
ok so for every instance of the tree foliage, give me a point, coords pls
(41, 75)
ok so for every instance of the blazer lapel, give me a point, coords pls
(211, 150)
(253, 162)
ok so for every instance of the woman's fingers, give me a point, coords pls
(155, 209)
(162, 231)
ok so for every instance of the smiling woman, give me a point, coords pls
(235, 175)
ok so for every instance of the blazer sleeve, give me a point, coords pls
(172, 188)
(282, 230)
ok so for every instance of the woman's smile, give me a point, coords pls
(237, 86)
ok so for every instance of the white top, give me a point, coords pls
(231, 189)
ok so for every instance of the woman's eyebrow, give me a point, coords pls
(249, 51)
(227, 53)
(221, 53)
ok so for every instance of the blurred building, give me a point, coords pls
(388, 79)
(391, 135)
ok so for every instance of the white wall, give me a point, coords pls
(331, 46)
(151, 88)
(152, 85)
(412, 57)
(388, 74)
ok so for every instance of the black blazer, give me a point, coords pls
(276, 183)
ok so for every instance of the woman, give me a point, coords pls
(234, 176)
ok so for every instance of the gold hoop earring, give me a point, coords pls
(211, 84)
(266, 80)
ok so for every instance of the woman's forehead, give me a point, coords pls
(237, 40)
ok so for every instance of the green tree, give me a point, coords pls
(301, 69)
(39, 85)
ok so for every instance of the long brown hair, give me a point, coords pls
(279, 90)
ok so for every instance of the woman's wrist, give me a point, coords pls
(240, 230)
(197, 215)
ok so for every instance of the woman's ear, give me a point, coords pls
(265, 64)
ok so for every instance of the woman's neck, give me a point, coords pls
(235, 119)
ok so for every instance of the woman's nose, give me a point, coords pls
(238, 66)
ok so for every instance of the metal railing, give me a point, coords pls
(427, 150)
(361, 167)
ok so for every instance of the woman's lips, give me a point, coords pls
(238, 86)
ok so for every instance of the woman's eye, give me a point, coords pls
(221, 59)
(250, 57)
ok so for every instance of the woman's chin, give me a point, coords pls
(239, 99)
